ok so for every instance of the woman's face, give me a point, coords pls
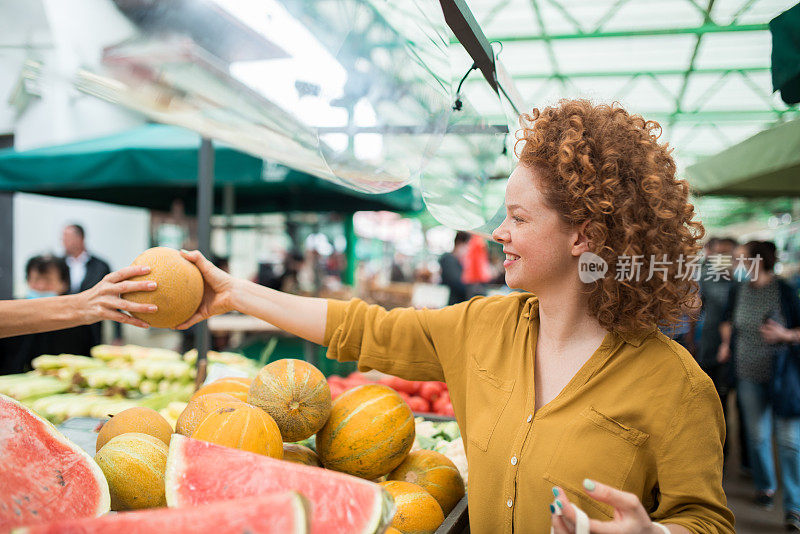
(537, 243)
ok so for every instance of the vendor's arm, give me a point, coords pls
(303, 316)
(103, 301)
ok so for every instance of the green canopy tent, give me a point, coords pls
(153, 165)
(765, 165)
(785, 30)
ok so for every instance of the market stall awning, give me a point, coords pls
(154, 165)
(765, 165)
(785, 30)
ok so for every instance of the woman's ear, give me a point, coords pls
(580, 243)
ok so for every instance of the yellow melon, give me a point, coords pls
(134, 465)
(241, 426)
(179, 290)
(144, 420)
(369, 432)
(300, 454)
(417, 511)
(235, 386)
(197, 410)
(435, 473)
(295, 394)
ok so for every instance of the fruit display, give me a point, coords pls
(279, 513)
(117, 378)
(417, 510)
(370, 431)
(421, 397)
(133, 464)
(295, 394)
(228, 446)
(45, 476)
(179, 290)
(195, 469)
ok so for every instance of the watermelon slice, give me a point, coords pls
(199, 472)
(279, 513)
(43, 475)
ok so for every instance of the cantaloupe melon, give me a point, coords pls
(417, 511)
(179, 290)
(435, 473)
(197, 410)
(134, 466)
(235, 386)
(139, 419)
(300, 454)
(295, 394)
(244, 427)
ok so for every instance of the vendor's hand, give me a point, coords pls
(630, 517)
(103, 301)
(723, 353)
(218, 284)
(773, 332)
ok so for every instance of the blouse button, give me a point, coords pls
(509, 503)
(530, 418)
(513, 460)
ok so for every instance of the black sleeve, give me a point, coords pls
(727, 315)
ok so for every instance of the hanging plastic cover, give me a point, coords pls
(360, 92)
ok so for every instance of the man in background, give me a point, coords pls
(85, 271)
(453, 268)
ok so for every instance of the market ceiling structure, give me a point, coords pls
(700, 68)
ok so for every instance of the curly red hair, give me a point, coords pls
(603, 167)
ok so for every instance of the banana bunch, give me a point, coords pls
(157, 370)
(31, 386)
(106, 377)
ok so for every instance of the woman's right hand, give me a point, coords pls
(217, 292)
(724, 353)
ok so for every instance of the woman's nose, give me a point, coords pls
(500, 235)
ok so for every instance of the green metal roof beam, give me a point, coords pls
(550, 53)
(697, 30)
(630, 73)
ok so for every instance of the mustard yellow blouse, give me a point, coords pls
(640, 415)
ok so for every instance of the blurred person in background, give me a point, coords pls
(761, 331)
(477, 268)
(452, 268)
(704, 339)
(85, 271)
(48, 309)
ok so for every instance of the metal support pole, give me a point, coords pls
(7, 244)
(205, 206)
(229, 205)
(349, 275)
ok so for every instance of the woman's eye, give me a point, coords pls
(516, 219)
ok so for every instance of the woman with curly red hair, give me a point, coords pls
(566, 392)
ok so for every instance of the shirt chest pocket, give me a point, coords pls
(487, 397)
(598, 447)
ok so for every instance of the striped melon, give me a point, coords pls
(134, 466)
(435, 473)
(369, 432)
(242, 426)
(417, 511)
(294, 452)
(198, 409)
(295, 394)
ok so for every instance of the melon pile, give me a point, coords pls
(236, 439)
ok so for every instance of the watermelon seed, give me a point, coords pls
(17, 511)
(26, 498)
(60, 478)
(35, 512)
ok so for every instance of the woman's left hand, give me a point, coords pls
(773, 332)
(630, 517)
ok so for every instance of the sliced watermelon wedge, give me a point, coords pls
(43, 475)
(279, 513)
(199, 472)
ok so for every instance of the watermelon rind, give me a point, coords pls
(104, 503)
(380, 517)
